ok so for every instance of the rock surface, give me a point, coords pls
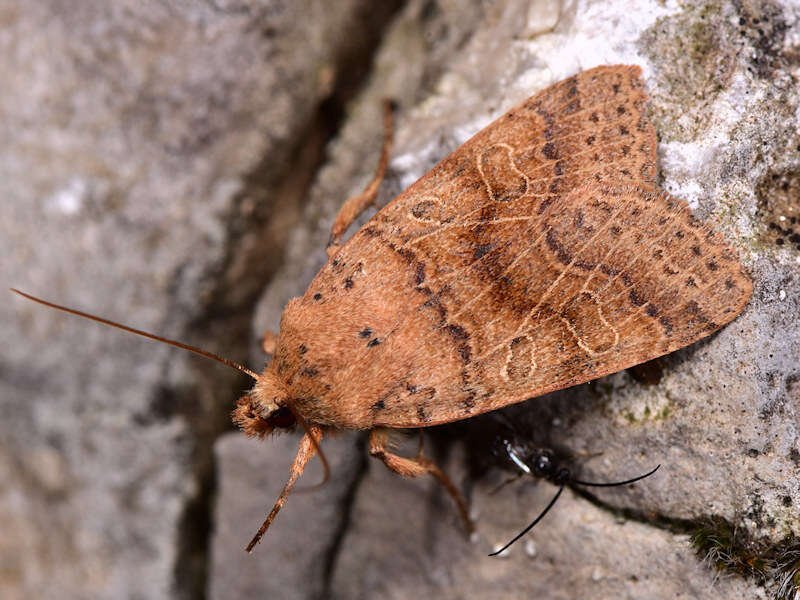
(154, 165)
(154, 157)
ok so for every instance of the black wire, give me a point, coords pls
(555, 498)
(529, 527)
(615, 483)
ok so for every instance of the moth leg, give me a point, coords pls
(268, 342)
(305, 451)
(414, 467)
(358, 204)
(504, 483)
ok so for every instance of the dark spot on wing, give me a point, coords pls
(419, 273)
(666, 324)
(636, 299)
(556, 247)
(458, 332)
(466, 352)
(549, 151)
(480, 250)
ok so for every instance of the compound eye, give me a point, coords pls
(282, 418)
(543, 464)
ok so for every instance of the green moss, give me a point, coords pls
(730, 550)
(790, 568)
(718, 542)
(647, 414)
(695, 54)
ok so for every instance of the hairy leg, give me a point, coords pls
(305, 451)
(358, 204)
(414, 467)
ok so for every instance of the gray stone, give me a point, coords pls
(405, 542)
(293, 559)
(153, 157)
(152, 172)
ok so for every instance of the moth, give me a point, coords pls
(537, 256)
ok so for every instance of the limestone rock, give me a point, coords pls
(154, 162)
(153, 155)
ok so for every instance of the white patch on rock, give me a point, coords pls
(69, 199)
(543, 16)
(599, 34)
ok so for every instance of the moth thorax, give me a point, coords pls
(259, 412)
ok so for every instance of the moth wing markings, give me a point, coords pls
(417, 213)
(442, 280)
(523, 330)
(596, 294)
(492, 221)
(510, 153)
(535, 142)
(576, 255)
(531, 363)
(446, 227)
(581, 340)
(667, 232)
(628, 76)
(524, 326)
(565, 271)
(708, 283)
(576, 154)
(622, 271)
(487, 287)
(520, 257)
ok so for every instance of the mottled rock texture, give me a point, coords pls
(166, 164)
(154, 158)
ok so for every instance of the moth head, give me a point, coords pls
(264, 409)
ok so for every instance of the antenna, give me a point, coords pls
(157, 338)
(312, 439)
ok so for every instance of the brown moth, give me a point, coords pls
(536, 256)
